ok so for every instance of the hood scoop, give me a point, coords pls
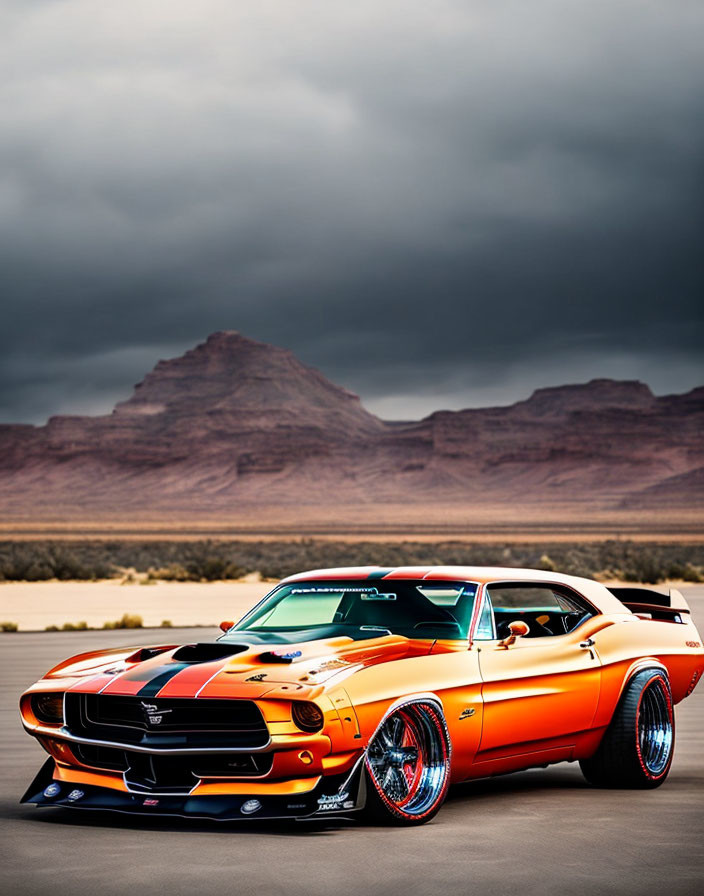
(206, 653)
(279, 656)
(147, 653)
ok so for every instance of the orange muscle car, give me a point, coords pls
(372, 689)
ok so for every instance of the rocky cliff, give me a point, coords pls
(235, 422)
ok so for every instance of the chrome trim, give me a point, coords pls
(200, 689)
(479, 599)
(64, 734)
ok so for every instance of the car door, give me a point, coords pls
(541, 690)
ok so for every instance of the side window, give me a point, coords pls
(485, 630)
(548, 610)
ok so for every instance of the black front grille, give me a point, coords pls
(151, 773)
(109, 758)
(167, 722)
(154, 773)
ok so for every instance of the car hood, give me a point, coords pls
(232, 669)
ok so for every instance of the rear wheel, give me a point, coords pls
(638, 744)
(408, 766)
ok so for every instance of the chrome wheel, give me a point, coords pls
(655, 728)
(409, 761)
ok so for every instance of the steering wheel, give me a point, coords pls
(571, 628)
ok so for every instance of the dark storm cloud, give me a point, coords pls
(438, 206)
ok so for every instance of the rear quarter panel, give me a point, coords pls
(631, 643)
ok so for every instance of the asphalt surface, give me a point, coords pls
(537, 832)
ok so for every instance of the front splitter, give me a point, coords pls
(334, 795)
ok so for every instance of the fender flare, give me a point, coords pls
(420, 697)
(409, 699)
(641, 665)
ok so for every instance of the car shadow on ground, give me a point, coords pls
(95, 818)
(565, 777)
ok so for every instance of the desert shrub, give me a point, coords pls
(74, 626)
(173, 573)
(8, 627)
(211, 567)
(692, 574)
(34, 561)
(51, 628)
(546, 563)
(166, 623)
(128, 620)
(208, 560)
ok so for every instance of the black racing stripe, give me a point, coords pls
(152, 688)
(379, 574)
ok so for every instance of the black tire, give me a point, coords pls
(407, 766)
(637, 748)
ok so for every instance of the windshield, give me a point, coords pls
(309, 610)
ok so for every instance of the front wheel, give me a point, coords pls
(407, 765)
(638, 744)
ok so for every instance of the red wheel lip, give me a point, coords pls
(412, 788)
(660, 679)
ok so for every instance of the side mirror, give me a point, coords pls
(226, 626)
(518, 629)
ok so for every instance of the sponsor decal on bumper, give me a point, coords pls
(334, 802)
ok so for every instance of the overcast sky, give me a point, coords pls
(438, 204)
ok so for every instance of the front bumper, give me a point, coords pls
(334, 795)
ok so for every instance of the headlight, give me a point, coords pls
(48, 707)
(307, 716)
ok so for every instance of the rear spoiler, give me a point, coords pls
(658, 605)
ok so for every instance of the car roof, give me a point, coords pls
(595, 592)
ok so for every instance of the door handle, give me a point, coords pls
(588, 645)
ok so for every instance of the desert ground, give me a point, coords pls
(35, 605)
(534, 833)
